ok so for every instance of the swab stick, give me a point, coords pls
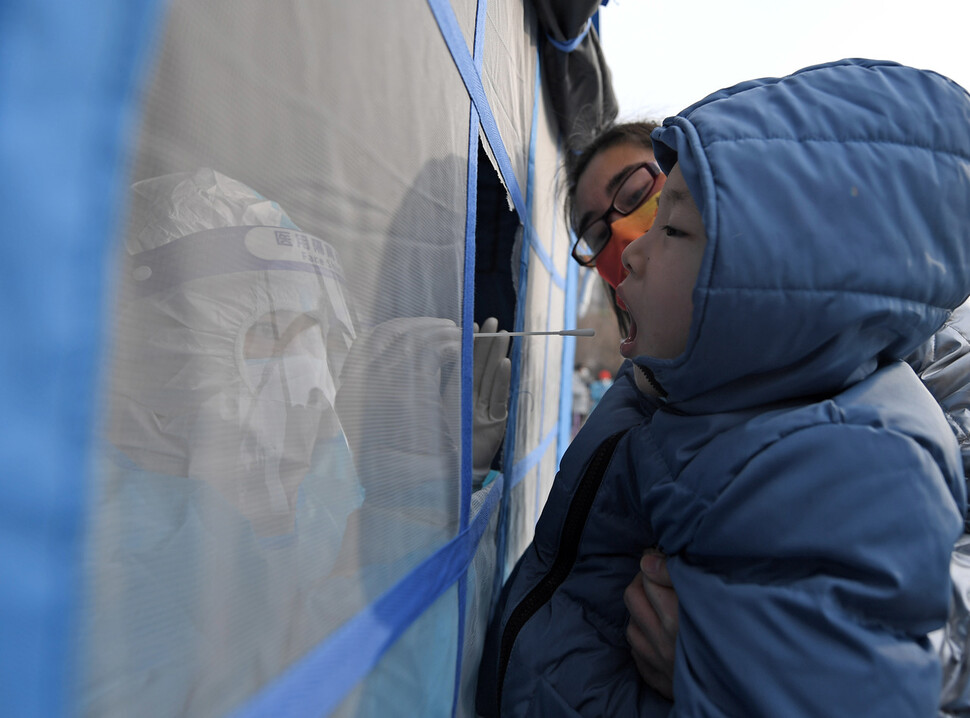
(562, 333)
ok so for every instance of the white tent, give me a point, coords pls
(179, 177)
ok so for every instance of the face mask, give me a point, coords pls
(229, 379)
(291, 380)
(254, 439)
(255, 452)
(609, 263)
(300, 377)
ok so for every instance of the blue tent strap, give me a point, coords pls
(547, 341)
(468, 282)
(470, 75)
(68, 189)
(354, 650)
(467, 353)
(452, 34)
(317, 683)
(568, 360)
(546, 260)
(524, 465)
(501, 538)
(570, 45)
(467, 382)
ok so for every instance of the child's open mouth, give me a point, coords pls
(626, 346)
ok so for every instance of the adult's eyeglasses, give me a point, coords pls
(633, 191)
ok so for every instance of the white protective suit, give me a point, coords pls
(226, 480)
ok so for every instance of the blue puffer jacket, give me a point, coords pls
(805, 485)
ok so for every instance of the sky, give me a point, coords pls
(665, 55)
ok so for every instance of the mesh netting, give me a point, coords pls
(280, 445)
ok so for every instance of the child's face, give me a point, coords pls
(663, 266)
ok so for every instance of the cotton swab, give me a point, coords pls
(562, 333)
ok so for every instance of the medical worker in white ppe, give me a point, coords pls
(226, 479)
(232, 332)
(226, 476)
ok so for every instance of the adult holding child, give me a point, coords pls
(609, 202)
(805, 487)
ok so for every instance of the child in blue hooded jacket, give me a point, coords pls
(804, 485)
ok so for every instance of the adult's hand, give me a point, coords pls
(399, 406)
(652, 630)
(492, 371)
(398, 403)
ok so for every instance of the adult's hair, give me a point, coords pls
(632, 133)
(625, 133)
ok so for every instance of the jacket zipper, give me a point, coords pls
(652, 380)
(569, 538)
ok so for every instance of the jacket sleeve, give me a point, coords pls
(812, 579)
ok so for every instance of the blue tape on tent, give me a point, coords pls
(523, 275)
(462, 601)
(568, 360)
(316, 684)
(531, 235)
(451, 31)
(549, 297)
(468, 310)
(467, 378)
(354, 649)
(516, 357)
(546, 260)
(452, 34)
(529, 461)
(537, 505)
(467, 354)
(70, 74)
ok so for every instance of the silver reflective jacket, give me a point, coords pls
(943, 363)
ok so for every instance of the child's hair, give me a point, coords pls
(634, 133)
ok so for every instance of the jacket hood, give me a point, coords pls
(837, 207)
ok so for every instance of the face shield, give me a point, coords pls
(229, 344)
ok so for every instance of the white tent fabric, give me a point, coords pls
(281, 518)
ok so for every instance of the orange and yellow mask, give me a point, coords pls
(624, 231)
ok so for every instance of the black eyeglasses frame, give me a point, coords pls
(654, 169)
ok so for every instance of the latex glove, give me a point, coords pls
(399, 405)
(492, 371)
(652, 630)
